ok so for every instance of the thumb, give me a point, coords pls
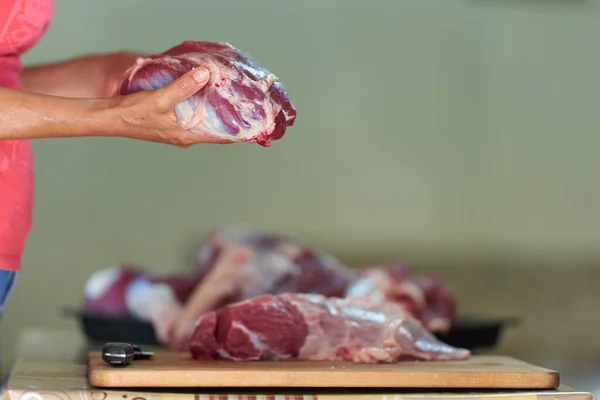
(184, 86)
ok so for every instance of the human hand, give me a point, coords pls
(149, 115)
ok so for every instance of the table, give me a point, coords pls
(51, 365)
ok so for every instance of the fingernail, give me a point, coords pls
(200, 75)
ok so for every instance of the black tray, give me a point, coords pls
(469, 332)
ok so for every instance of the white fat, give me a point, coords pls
(373, 285)
(100, 282)
(318, 346)
(261, 273)
(145, 299)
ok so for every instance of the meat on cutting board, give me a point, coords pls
(425, 297)
(236, 264)
(278, 263)
(243, 101)
(315, 327)
(241, 263)
(245, 262)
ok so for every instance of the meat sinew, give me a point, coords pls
(249, 263)
(425, 297)
(314, 327)
(243, 101)
(240, 263)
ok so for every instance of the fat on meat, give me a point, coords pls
(242, 263)
(239, 263)
(242, 102)
(130, 291)
(425, 297)
(314, 327)
(246, 262)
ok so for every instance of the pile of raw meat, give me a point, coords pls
(259, 296)
(242, 102)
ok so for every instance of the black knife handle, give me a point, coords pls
(116, 353)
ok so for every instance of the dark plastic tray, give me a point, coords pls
(469, 332)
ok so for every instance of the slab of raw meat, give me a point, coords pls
(129, 291)
(425, 297)
(315, 327)
(106, 290)
(241, 263)
(244, 263)
(243, 101)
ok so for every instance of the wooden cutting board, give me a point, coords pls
(167, 370)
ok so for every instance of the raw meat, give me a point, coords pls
(314, 327)
(243, 102)
(256, 263)
(238, 264)
(129, 291)
(106, 290)
(425, 297)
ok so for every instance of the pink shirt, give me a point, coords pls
(22, 24)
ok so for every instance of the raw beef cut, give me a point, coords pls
(129, 291)
(243, 102)
(236, 264)
(259, 262)
(315, 327)
(240, 263)
(425, 297)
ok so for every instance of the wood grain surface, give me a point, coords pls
(168, 370)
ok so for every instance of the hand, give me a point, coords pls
(150, 115)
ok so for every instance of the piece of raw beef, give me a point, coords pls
(425, 297)
(251, 262)
(242, 102)
(315, 327)
(241, 263)
(130, 291)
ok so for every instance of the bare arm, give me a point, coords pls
(90, 76)
(146, 115)
(30, 116)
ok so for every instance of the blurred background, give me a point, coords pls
(460, 136)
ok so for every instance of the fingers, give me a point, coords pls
(184, 87)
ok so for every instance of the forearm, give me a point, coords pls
(66, 79)
(91, 76)
(30, 116)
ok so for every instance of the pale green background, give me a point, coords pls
(456, 126)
